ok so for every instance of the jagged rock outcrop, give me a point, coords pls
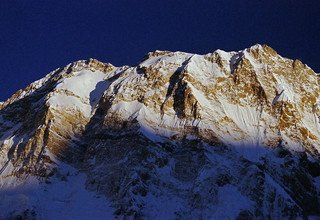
(221, 135)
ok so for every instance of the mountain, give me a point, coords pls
(225, 135)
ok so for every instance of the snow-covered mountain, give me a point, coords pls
(223, 135)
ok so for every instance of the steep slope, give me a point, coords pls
(223, 135)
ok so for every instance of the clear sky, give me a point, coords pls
(38, 36)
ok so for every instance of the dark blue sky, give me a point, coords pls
(37, 36)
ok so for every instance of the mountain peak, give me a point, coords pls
(257, 49)
(244, 124)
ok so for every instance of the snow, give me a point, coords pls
(63, 197)
(231, 202)
(258, 67)
(246, 118)
(128, 109)
(150, 134)
(276, 185)
(281, 97)
(83, 83)
(85, 89)
(70, 102)
(229, 57)
(203, 70)
(176, 58)
(311, 122)
(201, 98)
(292, 144)
(284, 89)
(225, 55)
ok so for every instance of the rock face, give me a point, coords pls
(221, 135)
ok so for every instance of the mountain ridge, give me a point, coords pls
(171, 129)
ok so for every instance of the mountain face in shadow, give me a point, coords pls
(222, 135)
